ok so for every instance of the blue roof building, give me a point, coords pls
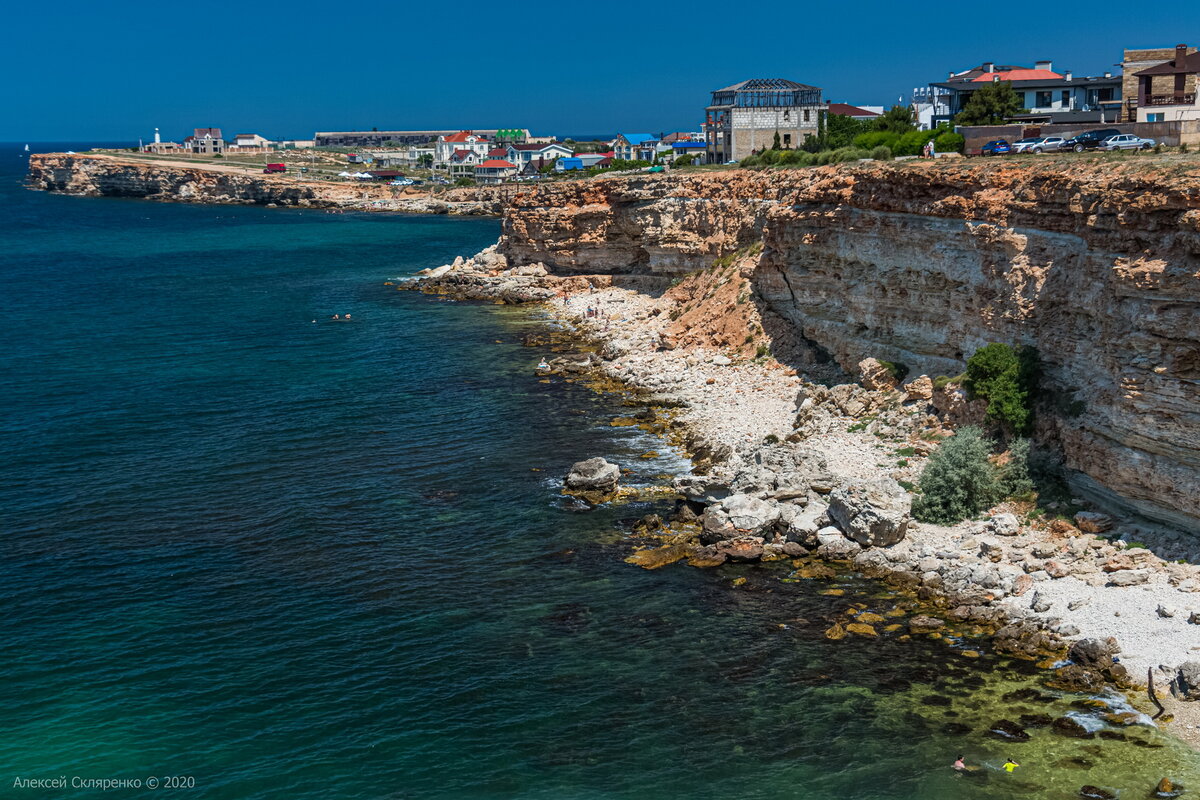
(635, 146)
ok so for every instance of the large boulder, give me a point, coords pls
(737, 515)
(593, 475)
(1094, 653)
(873, 513)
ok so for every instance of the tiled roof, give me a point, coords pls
(463, 136)
(535, 147)
(213, 132)
(496, 163)
(847, 110)
(1016, 74)
(498, 152)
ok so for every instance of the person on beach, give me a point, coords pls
(1010, 765)
(959, 764)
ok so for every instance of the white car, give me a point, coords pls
(1126, 141)
(402, 182)
(1039, 144)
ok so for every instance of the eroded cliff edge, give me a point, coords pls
(1095, 264)
(103, 175)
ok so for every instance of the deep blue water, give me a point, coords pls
(297, 559)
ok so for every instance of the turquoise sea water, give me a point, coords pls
(287, 559)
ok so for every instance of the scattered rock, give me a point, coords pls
(1194, 618)
(1096, 793)
(1131, 577)
(1005, 525)
(861, 629)
(593, 475)
(991, 549)
(1186, 684)
(1039, 604)
(876, 377)
(925, 624)
(1021, 585)
(1093, 522)
(919, 389)
(1165, 611)
(872, 513)
(721, 361)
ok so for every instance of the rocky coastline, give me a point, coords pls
(801, 467)
(102, 175)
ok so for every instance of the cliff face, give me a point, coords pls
(111, 176)
(1096, 264)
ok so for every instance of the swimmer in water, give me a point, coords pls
(959, 765)
(1010, 765)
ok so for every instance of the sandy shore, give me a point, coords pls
(1008, 566)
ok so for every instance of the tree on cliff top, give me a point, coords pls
(958, 481)
(991, 105)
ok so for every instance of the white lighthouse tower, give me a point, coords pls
(157, 138)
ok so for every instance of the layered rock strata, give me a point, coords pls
(1094, 263)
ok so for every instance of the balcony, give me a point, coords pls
(1188, 99)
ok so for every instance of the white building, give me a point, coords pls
(446, 145)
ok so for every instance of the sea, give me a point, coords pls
(250, 551)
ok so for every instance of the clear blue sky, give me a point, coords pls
(113, 71)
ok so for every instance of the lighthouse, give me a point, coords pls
(157, 138)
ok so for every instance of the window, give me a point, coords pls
(787, 140)
(1066, 98)
(1159, 117)
(806, 115)
(1042, 99)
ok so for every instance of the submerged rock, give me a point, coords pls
(1065, 726)
(1008, 731)
(593, 475)
(1096, 793)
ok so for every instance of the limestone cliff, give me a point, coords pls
(114, 176)
(1095, 263)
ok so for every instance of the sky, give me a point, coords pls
(113, 71)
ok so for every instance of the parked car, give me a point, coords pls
(401, 182)
(1127, 141)
(1039, 144)
(996, 147)
(1089, 140)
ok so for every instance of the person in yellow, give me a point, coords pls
(1010, 765)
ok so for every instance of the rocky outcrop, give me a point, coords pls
(593, 475)
(872, 513)
(113, 176)
(1096, 266)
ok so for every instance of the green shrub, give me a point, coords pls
(958, 481)
(881, 153)
(906, 451)
(1014, 478)
(750, 161)
(683, 161)
(771, 438)
(1005, 378)
(897, 369)
(769, 157)
(869, 141)
(761, 351)
(949, 142)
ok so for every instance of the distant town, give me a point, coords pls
(1149, 100)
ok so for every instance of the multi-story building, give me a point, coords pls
(1048, 96)
(744, 118)
(494, 170)
(205, 142)
(1165, 91)
(522, 154)
(635, 146)
(1133, 62)
(448, 144)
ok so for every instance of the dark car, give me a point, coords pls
(1089, 140)
(997, 147)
